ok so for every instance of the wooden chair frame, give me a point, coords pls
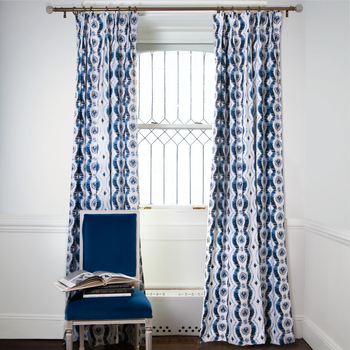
(69, 324)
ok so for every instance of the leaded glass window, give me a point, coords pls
(175, 108)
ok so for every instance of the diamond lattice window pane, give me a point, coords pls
(174, 164)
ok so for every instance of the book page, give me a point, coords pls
(75, 277)
(105, 275)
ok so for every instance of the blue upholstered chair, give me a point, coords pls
(109, 241)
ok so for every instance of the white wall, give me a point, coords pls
(37, 69)
(37, 85)
(37, 99)
(327, 209)
(327, 108)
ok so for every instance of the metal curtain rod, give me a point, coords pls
(50, 9)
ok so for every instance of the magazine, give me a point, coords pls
(82, 279)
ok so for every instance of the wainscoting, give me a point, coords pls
(33, 256)
(327, 287)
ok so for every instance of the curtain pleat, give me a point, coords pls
(247, 297)
(104, 165)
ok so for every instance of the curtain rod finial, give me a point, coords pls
(299, 8)
(49, 9)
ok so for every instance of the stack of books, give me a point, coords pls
(98, 284)
(111, 290)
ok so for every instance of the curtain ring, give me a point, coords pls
(106, 9)
(259, 8)
(135, 11)
(84, 9)
(248, 8)
(90, 9)
(222, 8)
(129, 8)
(75, 12)
(217, 10)
(232, 8)
(117, 9)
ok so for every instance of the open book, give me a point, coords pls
(82, 279)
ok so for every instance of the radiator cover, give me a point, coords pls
(176, 312)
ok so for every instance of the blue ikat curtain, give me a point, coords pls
(104, 168)
(247, 297)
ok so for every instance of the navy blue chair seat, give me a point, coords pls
(136, 306)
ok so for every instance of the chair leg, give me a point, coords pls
(136, 337)
(148, 327)
(81, 337)
(69, 335)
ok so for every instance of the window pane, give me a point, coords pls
(197, 86)
(158, 86)
(209, 94)
(171, 87)
(144, 168)
(145, 81)
(175, 88)
(184, 88)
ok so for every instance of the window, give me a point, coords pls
(176, 101)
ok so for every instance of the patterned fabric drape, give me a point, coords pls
(104, 166)
(247, 291)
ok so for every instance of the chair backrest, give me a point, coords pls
(109, 241)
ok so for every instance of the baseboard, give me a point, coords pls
(313, 335)
(316, 338)
(33, 317)
(52, 327)
(31, 326)
(298, 322)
